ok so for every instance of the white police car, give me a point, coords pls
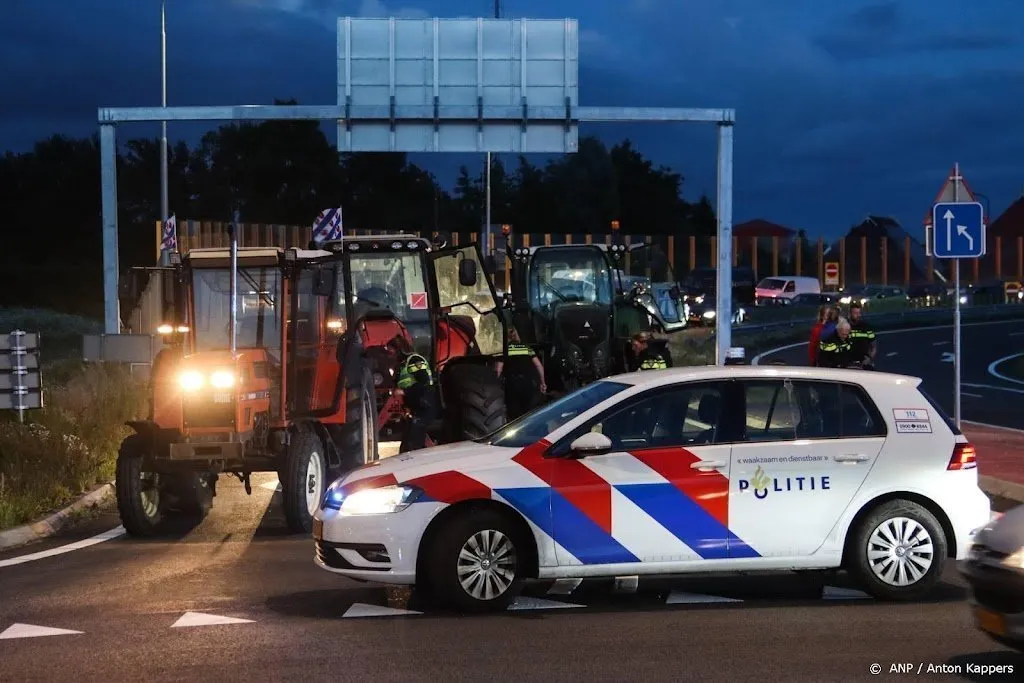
(739, 468)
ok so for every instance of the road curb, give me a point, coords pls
(1001, 488)
(48, 526)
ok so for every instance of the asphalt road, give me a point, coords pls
(124, 597)
(928, 353)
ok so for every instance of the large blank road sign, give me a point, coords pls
(456, 68)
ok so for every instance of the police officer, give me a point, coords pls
(862, 337)
(416, 386)
(524, 377)
(836, 350)
(643, 357)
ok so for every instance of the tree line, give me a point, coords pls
(287, 172)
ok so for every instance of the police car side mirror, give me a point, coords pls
(591, 443)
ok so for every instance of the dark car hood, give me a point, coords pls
(1005, 534)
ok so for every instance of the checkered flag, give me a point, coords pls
(169, 239)
(327, 226)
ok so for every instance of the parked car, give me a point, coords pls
(703, 281)
(812, 300)
(929, 294)
(689, 469)
(994, 570)
(865, 294)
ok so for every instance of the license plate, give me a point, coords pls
(990, 621)
(318, 529)
(222, 398)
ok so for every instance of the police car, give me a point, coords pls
(738, 468)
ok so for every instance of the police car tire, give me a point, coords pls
(442, 566)
(858, 558)
(128, 489)
(304, 443)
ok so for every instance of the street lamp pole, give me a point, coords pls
(164, 208)
(487, 201)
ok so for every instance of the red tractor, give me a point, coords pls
(277, 361)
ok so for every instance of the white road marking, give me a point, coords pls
(361, 609)
(836, 593)
(941, 343)
(999, 361)
(892, 353)
(30, 631)
(992, 386)
(947, 357)
(684, 598)
(756, 360)
(60, 550)
(964, 393)
(1016, 334)
(201, 619)
(274, 485)
(524, 603)
(564, 586)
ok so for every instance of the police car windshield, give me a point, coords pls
(534, 426)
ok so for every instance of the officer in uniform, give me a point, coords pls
(416, 386)
(524, 377)
(643, 357)
(836, 350)
(862, 337)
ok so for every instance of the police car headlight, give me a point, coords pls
(380, 501)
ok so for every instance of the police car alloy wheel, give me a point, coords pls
(475, 561)
(900, 550)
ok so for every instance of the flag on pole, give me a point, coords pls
(327, 226)
(169, 239)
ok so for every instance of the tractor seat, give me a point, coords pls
(464, 323)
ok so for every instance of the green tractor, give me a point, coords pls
(578, 305)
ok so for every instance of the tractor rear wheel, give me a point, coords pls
(137, 492)
(303, 480)
(474, 401)
(357, 439)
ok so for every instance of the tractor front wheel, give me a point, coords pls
(357, 439)
(303, 480)
(474, 401)
(137, 492)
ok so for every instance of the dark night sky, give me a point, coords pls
(843, 108)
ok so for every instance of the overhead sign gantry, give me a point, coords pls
(444, 85)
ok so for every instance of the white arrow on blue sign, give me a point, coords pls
(959, 230)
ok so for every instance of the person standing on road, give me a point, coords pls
(416, 387)
(862, 337)
(812, 347)
(643, 357)
(524, 377)
(836, 351)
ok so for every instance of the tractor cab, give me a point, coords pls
(580, 303)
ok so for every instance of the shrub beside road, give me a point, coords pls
(71, 444)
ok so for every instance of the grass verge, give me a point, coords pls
(71, 444)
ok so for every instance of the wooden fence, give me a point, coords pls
(861, 260)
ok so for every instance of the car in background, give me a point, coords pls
(994, 571)
(772, 290)
(928, 295)
(809, 300)
(865, 294)
(666, 472)
(703, 282)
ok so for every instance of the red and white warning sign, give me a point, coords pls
(832, 274)
(418, 300)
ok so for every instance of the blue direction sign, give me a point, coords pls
(959, 230)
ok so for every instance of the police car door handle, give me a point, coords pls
(707, 465)
(851, 457)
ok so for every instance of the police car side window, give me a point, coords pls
(771, 411)
(860, 415)
(830, 410)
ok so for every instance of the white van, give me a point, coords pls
(771, 289)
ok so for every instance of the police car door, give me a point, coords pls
(807, 449)
(661, 494)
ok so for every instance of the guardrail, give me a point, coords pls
(908, 315)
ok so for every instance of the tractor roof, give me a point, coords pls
(602, 246)
(396, 242)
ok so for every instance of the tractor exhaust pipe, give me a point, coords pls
(232, 235)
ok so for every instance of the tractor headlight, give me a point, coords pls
(165, 329)
(708, 315)
(222, 379)
(380, 501)
(190, 380)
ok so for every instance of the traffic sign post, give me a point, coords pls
(958, 232)
(832, 274)
(21, 384)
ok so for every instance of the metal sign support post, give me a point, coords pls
(20, 378)
(958, 231)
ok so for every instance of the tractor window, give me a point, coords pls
(395, 281)
(569, 274)
(649, 265)
(259, 323)
(477, 302)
